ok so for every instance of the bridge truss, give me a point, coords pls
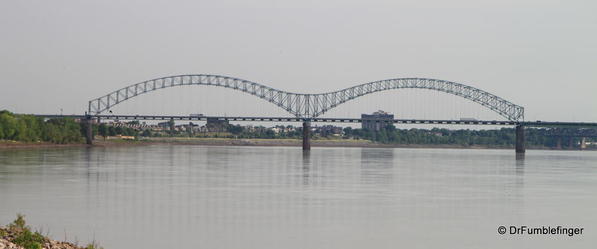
(309, 106)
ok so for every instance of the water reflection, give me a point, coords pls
(376, 165)
(271, 197)
(306, 166)
(520, 163)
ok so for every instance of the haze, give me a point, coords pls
(538, 54)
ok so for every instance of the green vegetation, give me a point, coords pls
(29, 240)
(20, 234)
(23, 234)
(28, 128)
(501, 137)
(238, 131)
(504, 137)
(105, 130)
(93, 246)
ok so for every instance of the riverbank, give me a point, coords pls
(99, 142)
(293, 143)
(7, 144)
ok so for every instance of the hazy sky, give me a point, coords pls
(60, 54)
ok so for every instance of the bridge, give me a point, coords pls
(561, 131)
(292, 119)
(307, 108)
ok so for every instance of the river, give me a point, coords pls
(179, 196)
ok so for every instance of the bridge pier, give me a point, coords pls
(171, 124)
(306, 135)
(88, 130)
(520, 143)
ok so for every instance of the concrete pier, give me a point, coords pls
(88, 130)
(172, 124)
(306, 135)
(520, 143)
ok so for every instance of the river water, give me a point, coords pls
(176, 196)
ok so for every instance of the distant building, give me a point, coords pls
(164, 125)
(328, 130)
(216, 125)
(377, 120)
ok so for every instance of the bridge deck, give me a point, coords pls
(331, 120)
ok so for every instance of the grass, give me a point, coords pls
(93, 245)
(29, 240)
(22, 235)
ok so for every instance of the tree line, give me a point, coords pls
(29, 128)
(504, 137)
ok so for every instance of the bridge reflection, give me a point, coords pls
(212, 193)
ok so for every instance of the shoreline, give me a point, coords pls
(10, 145)
(17, 235)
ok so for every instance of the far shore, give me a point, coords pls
(100, 142)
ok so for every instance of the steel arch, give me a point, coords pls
(308, 106)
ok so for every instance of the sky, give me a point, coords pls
(57, 55)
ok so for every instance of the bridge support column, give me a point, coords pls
(306, 135)
(520, 143)
(88, 130)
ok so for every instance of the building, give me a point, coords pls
(377, 120)
(329, 130)
(166, 125)
(216, 125)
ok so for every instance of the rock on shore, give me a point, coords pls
(6, 243)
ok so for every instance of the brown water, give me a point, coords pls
(276, 197)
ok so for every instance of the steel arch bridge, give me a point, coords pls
(307, 106)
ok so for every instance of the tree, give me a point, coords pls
(146, 133)
(235, 129)
(119, 130)
(111, 131)
(9, 124)
(347, 131)
(269, 133)
(103, 130)
(390, 128)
